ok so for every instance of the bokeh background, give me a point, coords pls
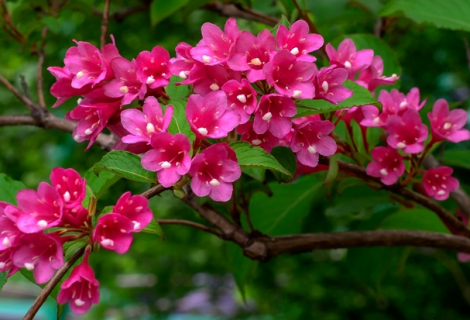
(194, 275)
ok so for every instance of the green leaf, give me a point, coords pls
(160, 9)
(361, 97)
(457, 158)
(250, 156)
(126, 165)
(107, 209)
(193, 5)
(177, 92)
(9, 188)
(256, 173)
(241, 267)
(380, 47)
(332, 170)
(286, 158)
(100, 183)
(88, 196)
(348, 206)
(414, 219)
(448, 14)
(3, 279)
(179, 123)
(154, 228)
(52, 24)
(282, 213)
(284, 21)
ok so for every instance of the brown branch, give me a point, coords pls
(426, 202)
(49, 121)
(156, 190)
(236, 11)
(52, 283)
(459, 195)
(191, 224)
(29, 104)
(266, 248)
(9, 26)
(104, 23)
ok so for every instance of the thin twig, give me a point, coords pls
(29, 104)
(104, 23)
(152, 192)
(24, 85)
(52, 283)
(236, 11)
(191, 224)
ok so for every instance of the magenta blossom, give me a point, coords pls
(208, 116)
(62, 89)
(92, 115)
(241, 98)
(447, 125)
(80, 288)
(406, 132)
(136, 209)
(142, 125)
(9, 231)
(251, 53)
(438, 182)
(88, 64)
(41, 210)
(70, 186)
(206, 79)
(274, 114)
(6, 263)
(126, 84)
(299, 41)
(114, 232)
(387, 165)
(213, 172)
(170, 157)
(328, 86)
(372, 77)
(348, 57)
(371, 116)
(289, 76)
(265, 140)
(40, 253)
(153, 68)
(182, 65)
(215, 46)
(311, 139)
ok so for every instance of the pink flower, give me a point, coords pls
(273, 114)
(182, 65)
(6, 263)
(215, 46)
(206, 79)
(153, 68)
(347, 57)
(70, 186)
(143, 125)
(208, 116)
(371, 117)
(41, 210)
(92, 115)
(62, 89)
(447, 125)
(213, 172)
(125, 85)
(387, 165)
(80, 288)
(88, 64)
(251, 53)
(265, 140)
(170, 157)
(298, 40)
(406, 132)
(289, 76)
(438, 183)
(116, 128)
(75, 216)
(9, 231)
(328, 86)
(241, 98)
(311, 139)
(372, 77)
(136, 209)
(113, 232)
(41, 253)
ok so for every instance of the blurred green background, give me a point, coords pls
(189, 275)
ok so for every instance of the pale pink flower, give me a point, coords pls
(447, 125)
(387, 165)
(299, 41)
(274, 114)
(349, 58)
(153, 68)
(438, 182)
(406, 132)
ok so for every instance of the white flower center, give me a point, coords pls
(29, 266)
(311, 149)
(441, 192)
(136, 225)
(124, 89)
(347, 64)
(88, 131)
(384, 172)
(183, 75)
(214, 183)
(241, 98)
(267, 116)
(80, 74)
(256, 61)
(214, 87)
(79, 302)
(296, 93)
(203, 131)
(206, 59)
(150, 128)
(447, 125)
(401, 145)
(165, 165)
(6, 243)
(256, 142)
(295, 51)
(150, 80)
(67, 196)
(324, 85)
(107, 242)
(42, 223)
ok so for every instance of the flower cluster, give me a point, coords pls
(250, 85)
(34, 233)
